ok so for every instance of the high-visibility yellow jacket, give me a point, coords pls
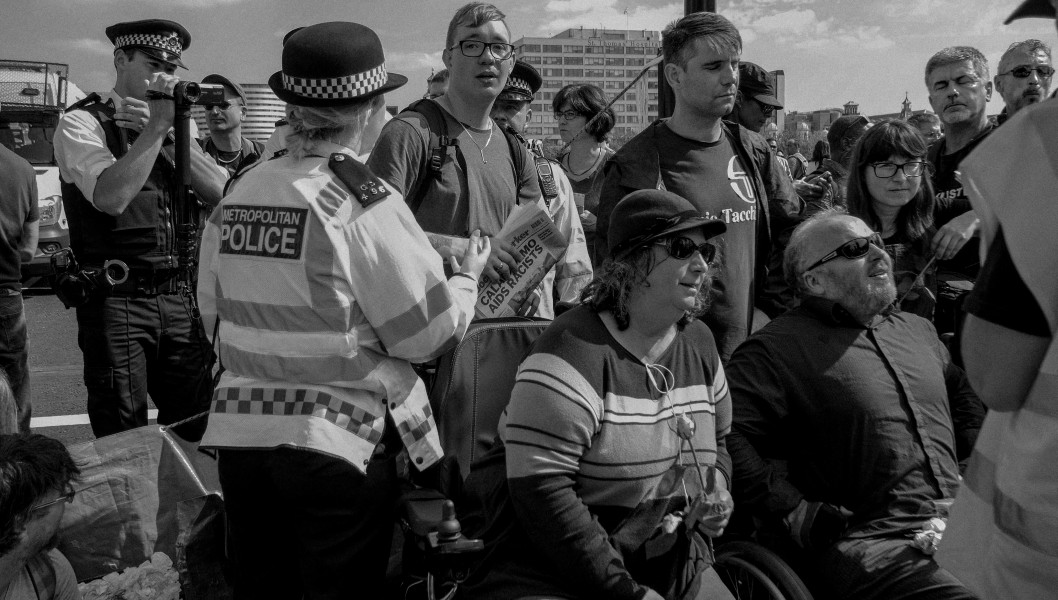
(325, 295)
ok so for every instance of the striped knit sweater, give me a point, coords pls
(591, 440)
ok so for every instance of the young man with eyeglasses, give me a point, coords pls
(867, 412)
(726, 171)
(225, 142)
(36, 476)
(467, 177)
(1024, 76)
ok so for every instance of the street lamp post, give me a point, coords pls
(666, 101)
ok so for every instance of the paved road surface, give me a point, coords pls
(55, 364)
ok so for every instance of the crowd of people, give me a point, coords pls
(745, 339)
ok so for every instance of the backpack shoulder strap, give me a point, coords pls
(519, 154)
(436, 151)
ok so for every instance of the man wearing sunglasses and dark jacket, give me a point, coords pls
(1024, 76)
(728, 172)
(864, 410)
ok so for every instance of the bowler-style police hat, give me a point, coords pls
(161, 39)
(332, 64)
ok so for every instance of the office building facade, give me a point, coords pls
(610, 59)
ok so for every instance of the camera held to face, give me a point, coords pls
(187, 93)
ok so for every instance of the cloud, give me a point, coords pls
(414, 60)
(87, 46)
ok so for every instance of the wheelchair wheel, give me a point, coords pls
(752, 572)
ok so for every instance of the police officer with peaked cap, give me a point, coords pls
(116, 158)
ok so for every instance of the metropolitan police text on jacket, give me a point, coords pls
(267, 231)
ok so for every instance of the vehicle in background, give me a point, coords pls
(33, 96)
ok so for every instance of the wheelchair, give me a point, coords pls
(472, 387)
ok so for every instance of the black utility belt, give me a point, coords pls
(147, 282)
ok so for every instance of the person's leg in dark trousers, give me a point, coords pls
(305, 523)
(179, 377)
(886, 569)
(14, 355)
(116, 335)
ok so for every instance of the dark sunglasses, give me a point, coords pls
(852, 249)
(222, 105)
(1023, 72)
(683, 248)
(766, 109)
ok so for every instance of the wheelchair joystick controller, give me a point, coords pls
(449, 529)
(448, 537)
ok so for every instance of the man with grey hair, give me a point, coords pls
(928, 124)
(865, 407)
(726, 171)
(959, 89)
(1024, 76)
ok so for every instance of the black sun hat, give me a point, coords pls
(647, 215)
(754, 82)
(164, 40)
(1032, 8)
(333, 64)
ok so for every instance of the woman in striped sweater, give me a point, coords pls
(613, 441)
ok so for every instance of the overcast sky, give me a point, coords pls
(832, 51)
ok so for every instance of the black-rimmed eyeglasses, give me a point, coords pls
(885, 170)
(567, 115)
(475, 48)
(682, 248)
(1024, 71)
(66, 497)
(852, 249)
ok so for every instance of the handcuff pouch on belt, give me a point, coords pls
(76, 286)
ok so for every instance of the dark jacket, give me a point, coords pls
(636, 166)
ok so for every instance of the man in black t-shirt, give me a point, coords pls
(959, 90)
(726, 171)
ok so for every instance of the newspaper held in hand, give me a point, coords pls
(538, 244)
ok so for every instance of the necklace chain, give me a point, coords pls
(481, 148)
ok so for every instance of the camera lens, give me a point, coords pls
(192, 91)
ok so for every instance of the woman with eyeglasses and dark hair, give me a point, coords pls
(587, 150)
(890, 189)
(610, 475)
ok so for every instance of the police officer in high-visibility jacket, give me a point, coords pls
(322, 291)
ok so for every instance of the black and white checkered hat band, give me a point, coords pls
(170, 42)
(520, 84)
(352, 86)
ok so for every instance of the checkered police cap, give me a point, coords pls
(352, 86)
(331, 64)
(522, 84)
(164, 40)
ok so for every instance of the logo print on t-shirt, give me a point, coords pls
(740, 180)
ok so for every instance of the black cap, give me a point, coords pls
(333, 64)
(646, 215)
(231, 85)
(522, 84)
(754, 82)
(1032, 8)
(164, 40)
